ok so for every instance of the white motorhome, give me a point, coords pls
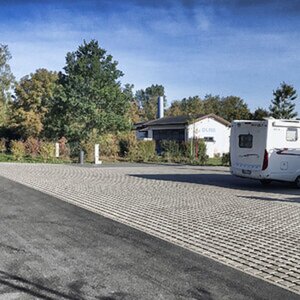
(266, 150)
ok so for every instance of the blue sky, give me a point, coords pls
(235, 47)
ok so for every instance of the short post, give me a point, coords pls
(56, 150)
(81, 157)
(96, 154)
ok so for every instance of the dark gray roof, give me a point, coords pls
(180, 120)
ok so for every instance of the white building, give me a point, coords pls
(214, 130)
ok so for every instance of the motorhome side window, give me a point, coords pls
(292, 134)
(245, 140)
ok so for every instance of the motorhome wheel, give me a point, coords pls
(297, 181)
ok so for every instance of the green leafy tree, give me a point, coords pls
(147, 100)
(89, 96)
(212, 105)
(7, 79)
(230, 108)
(283, 106)
(187, 106)
(128, 90)
(32, 101)
(3, 113)
(234, 108)
(196, 106)
(24, 124)
(260, 114)
(192, 106)
(134, 110)
(6, 82)
(175, 109)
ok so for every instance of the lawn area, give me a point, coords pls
(28, 159)
(215, 161)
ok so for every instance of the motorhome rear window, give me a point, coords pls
(245, 140)
(292, 134)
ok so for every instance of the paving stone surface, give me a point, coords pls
(234, 221)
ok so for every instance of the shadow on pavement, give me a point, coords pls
(39, 291)
(293, 200)
(225, 181)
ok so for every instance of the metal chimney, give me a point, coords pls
(160, 107)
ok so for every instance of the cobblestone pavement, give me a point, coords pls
(206, 210)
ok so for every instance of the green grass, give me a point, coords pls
(6, 158)
(214, 161)
(27, 159)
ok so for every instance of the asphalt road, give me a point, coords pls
(50, 249)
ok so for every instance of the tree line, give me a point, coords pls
(230, 107)
(87, 98)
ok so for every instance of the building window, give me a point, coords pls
(245, 140)
(143, 134)
(292, 134)
(208, 139)
(168, 134)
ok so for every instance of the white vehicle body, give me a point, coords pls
(266, 150)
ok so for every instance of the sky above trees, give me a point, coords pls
(243, 48)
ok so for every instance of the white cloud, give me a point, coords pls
(188, 52)
(203, 22)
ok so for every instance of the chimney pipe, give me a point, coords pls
(160, 107)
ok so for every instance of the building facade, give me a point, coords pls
(214, 130)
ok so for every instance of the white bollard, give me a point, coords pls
(81, 157)
(56, 149)
(97, 161)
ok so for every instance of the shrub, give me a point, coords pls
(201, 156)
(64, 148)
(88, 147)
(47, 151)
(197, 151)
(3, 145)
(109, 145)
(226, 159)
(32, 147)
(143, 151)
(127, 142)
(178, 151)
(171, 149)
(187, 149)
(18, 149)
(74, 149)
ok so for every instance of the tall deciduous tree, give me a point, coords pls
(134, 110)
(89, 97)
(212, 105)
(6, 81)
(234, 108)
(283, 106)
(175, 109)
(147, 100)
(260, 114)
(187, 106)
(6, 77)
(229, 108)
(32, 101)
(192, 105)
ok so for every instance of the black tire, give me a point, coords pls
(266, 182)
(297, 182)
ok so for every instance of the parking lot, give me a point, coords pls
(206, 210)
